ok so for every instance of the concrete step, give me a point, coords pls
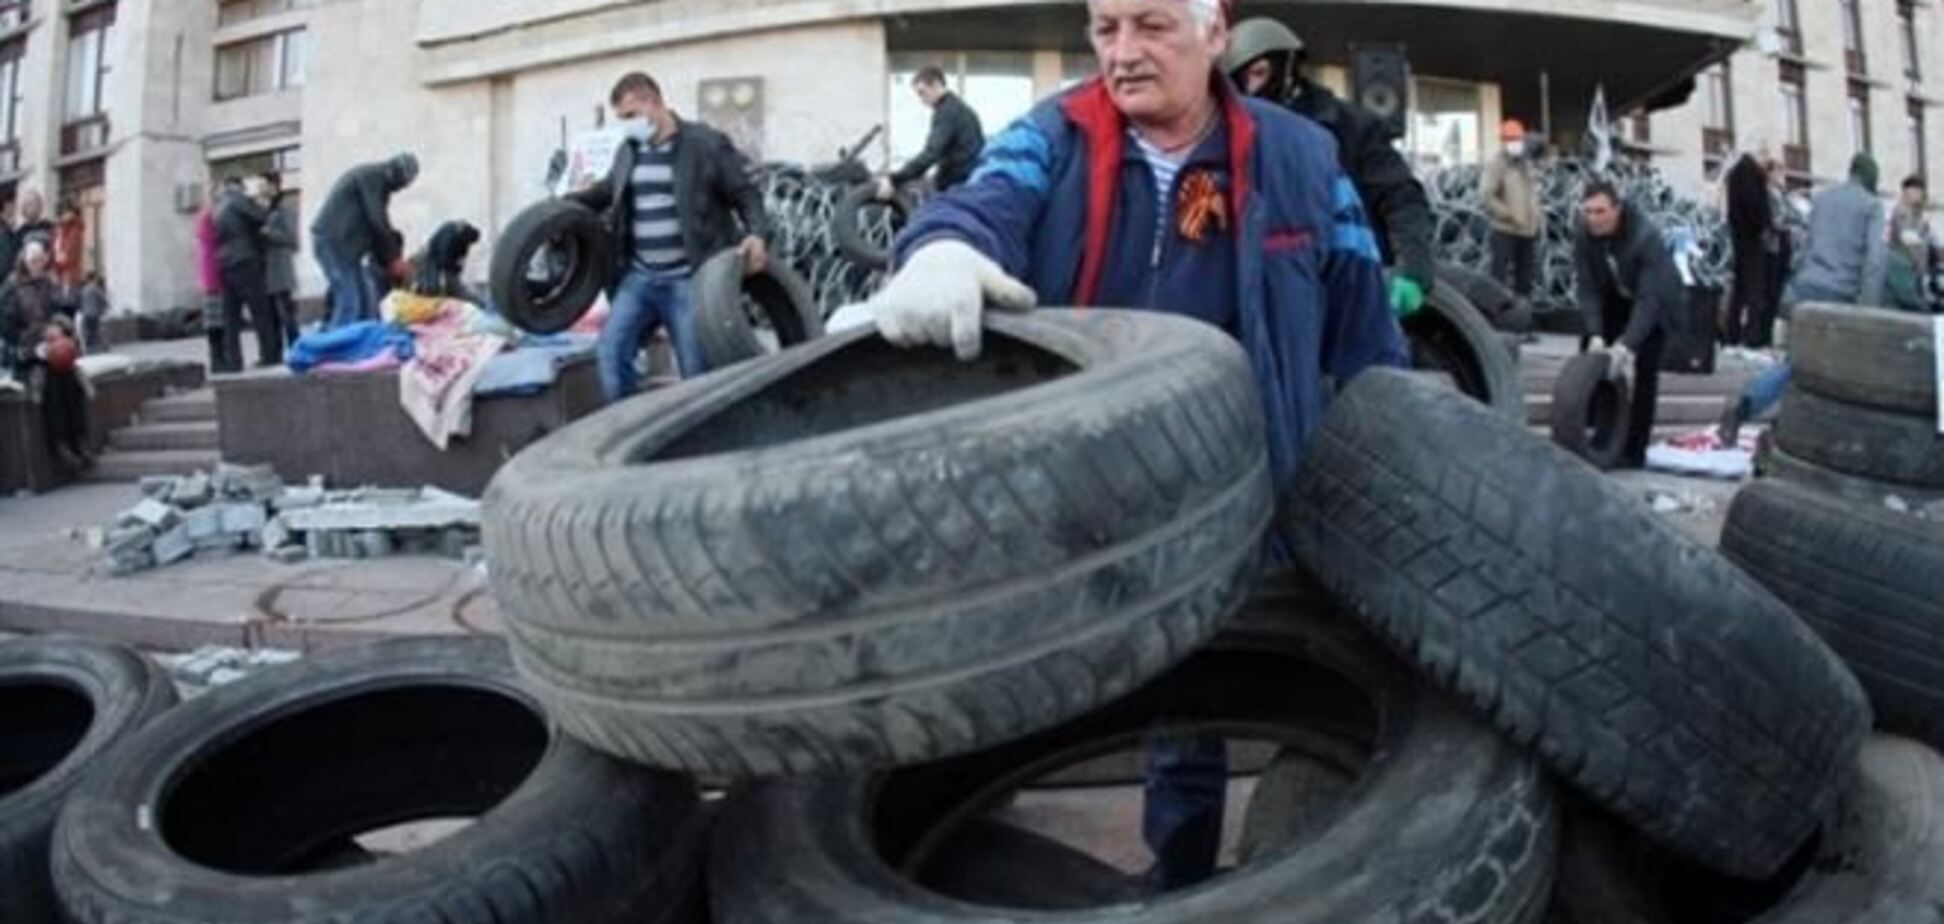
(197, 434)
(117, 465)
(199, 405)
(1674, 410)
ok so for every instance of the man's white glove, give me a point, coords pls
(1622, 360)
(937, 297)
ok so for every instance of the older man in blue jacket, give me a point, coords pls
(1157, 186)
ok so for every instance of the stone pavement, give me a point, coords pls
(50, 581)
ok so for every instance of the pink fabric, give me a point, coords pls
(383, 362)
(208, 271)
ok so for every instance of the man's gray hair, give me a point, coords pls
(1207, 13)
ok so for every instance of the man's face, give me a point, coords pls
(638, 106)
(1601, 214)
(36, 259)
(1256, 77)
(1154, 54)
(929, 93)
(1913, 197)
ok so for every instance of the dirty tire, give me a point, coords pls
(847, 229)
(993, 863)
(1591, 411)
(1771, 462)
(849, 556)
(66, 705)
(554, 307)
(1868, 356)
(1450, 335)
(235, 807)
(1876, 862)
(1870, 581)
(727, 332)
(1448, 821)
(1903, 449)
(1505, 310)
(1666, 685)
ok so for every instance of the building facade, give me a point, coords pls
(132, 108)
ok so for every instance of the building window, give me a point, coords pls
(13, 14)
(998, 85)
(288, 163)
(1852, 12)
(1795, 117)
(241, 11)
(90, 58)
(1447, 124)
(266, 64)
(11, 99)
(1919, 144)
(1907, 29)
(1859, 117)
(1788, 25)
(1718, 127)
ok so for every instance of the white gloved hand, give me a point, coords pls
(937, 297)
(1622, 361)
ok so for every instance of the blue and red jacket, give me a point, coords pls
(1065, 202)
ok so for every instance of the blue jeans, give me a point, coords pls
(1181, 816)
(1765, 391)
(351, 294)
(640, 303)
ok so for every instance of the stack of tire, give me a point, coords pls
(1844, 525)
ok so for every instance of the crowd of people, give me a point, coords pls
(51, 309)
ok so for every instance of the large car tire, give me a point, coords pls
(994, 863)
(1876, 862)
(728, 333)
(1449, 822)
(1649, 672)
(1591, 411)
(1886, 446)
(1868, 356)
(1870, 581)
(1774, 463)
(850, 556)
(1449, 335)
(847, 229)
(552, 305)
(235, 808)
(1506, 311)
(65, 706)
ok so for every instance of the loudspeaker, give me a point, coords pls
(1380, 82)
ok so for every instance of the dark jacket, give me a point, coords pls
(1750, 212)
(1627, 282)
(356, 215)
(713, 189)
(9, 248)
(441, 271)
(280, 249)
(1064, 203)
(26, 307)
(1394, 200)
(953, 146)
(240, 236)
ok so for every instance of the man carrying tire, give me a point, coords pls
(353, 225)
(1267, 61)
(954, 143)
(1627, 284)
(1158, 186)
(672, 200)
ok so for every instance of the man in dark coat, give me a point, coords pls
(954, 143)
(1266, 60)
(678, 194)
(355, 225)
(1627, 284)
(1751, 220)
(241, 247)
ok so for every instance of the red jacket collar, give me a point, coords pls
(1091, 109)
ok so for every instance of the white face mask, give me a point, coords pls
(637, 129)
(1515, 148)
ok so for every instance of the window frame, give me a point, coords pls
(1857, 105)
(1793, 81)
(273, 51)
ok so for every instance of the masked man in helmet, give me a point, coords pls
(1266, 60)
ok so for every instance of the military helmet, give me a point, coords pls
(1253, 38)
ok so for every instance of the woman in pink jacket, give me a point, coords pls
(210, 275)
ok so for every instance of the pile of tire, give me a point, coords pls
(1845, 525)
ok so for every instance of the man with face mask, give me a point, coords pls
(1266, 60)
(355, 225)
(679, 192)
(1510, 192)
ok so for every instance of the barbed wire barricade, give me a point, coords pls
(801, 206)
(1463, 232)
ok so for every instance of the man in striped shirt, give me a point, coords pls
(679, 193)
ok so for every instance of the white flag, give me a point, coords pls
(1599, 128)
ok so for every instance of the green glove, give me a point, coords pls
(1406, 296)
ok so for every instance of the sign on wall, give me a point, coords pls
(734, 106)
